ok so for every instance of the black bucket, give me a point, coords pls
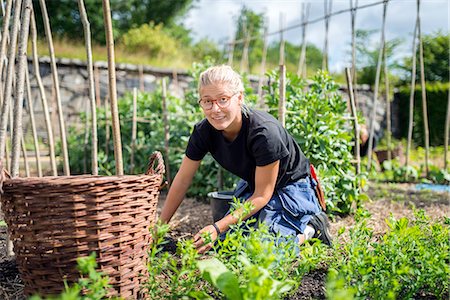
(220, 203)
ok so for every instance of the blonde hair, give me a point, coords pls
(221, 74)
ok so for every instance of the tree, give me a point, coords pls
(66, 23)
(435, 57)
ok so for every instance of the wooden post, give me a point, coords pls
(327, 11)
(48, 123)
(107, 131)
(353, 21)
(133, 131)
(355, 120)
(301, 71)
(244, 58)
(424, 92)
(166, 128)
(9, 77)
(282, 92)
(33, 126)
(86, 138)
(25, 157)
(141, 78)
(112, 88)
(262, 70)
(97, 86)
(388, 105)
(375, 93)
(447, 127)
(231, 53)
(62, 127)
(87, 38)
(22, 67)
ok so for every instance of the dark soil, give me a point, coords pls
(193, 215)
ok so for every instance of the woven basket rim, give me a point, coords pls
(78, 179)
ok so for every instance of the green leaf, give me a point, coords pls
(214, 271)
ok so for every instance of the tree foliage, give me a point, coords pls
(66, 23)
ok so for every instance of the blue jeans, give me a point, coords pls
(289, 210)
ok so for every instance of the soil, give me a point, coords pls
(193, 215)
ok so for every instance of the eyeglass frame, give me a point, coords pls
(215, 100)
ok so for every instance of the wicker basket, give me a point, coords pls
(54, 220)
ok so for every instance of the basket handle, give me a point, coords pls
(3, 175)
(156, 158)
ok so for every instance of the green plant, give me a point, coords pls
(316, 119)
(411, 258)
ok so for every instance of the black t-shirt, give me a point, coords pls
(261, 141)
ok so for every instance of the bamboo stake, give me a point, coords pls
(388, 105)
(231, 53)
(112, 88)
(355, 120)
(33, 126)
(244, 58)
(25, 157)
(282, 103)
(5, 37)
(141, 78)
(301, 71)
(447, 126)
(262, 70)
(353, 22)
(133, 131)
(51, 50)
(327, 10)
(9, 77)
(281, 40)
(424, 93)
(411, 96)
(97, 86)
(375, 93)
(22, 67)
(48, 124)
(87, 37)
(107, 131)
(166, 128)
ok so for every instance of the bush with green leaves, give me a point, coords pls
(316, 117)
(411, 259)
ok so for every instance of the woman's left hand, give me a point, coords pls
(200, 242)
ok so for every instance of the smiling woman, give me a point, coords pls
(253, 145)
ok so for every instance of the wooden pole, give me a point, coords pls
(86, 138)
(25, 157)
(375, 93)
(62, 127)
(327, 9)
(22, 67)
(301, 71)
(48, 124)
(87, 38)
(107, 131)
(97, 86)
(353, 22)
(262, 70)
(133, 131)
(141, 78)
(9, 77)
(33, 126)
(411, 96)
(424, 93)
(231, 53)
(166, 128)
(282, 103)
(244, 58)
(355, 120)
(388, 105)
(281, 40)
(447, 127)
(112, 88)
(5, 37)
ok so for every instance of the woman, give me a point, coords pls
(254, 146)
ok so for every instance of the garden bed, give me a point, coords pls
(193, 215)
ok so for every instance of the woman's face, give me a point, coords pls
(223, 115)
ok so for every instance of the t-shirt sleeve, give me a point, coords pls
(196, 148)
(267, 144)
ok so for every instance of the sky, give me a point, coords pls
(216, 20)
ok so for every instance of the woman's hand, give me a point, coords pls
(203, 244)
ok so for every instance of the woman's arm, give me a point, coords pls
(265, 181)
(178, 189)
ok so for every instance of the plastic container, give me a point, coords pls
(220, 203)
